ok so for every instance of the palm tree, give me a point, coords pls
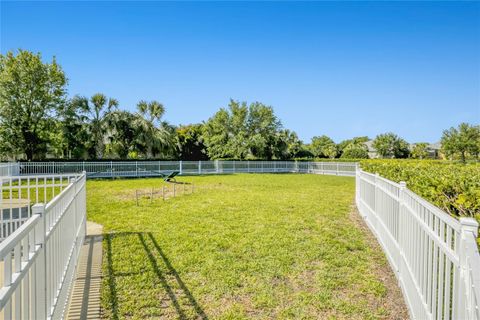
(152, 111)
(155, 137)
(72, 122)
(122, 132)
(99, 108)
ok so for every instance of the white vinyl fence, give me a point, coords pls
(435, 257)
(19, 193)
(38, 259)
(111, 169)
(9, 169)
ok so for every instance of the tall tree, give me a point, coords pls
(389, 145)
(122, 132)
(263, 127)
(190, 143)
(73, 128)
(461, 142)
(288, 145)
(217, 134)
(155, 137)
(30, 93)
(100, 106)
(242, 131)
(323, 147)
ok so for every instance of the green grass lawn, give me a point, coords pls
(242, 246)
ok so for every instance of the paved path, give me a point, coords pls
(84, 302)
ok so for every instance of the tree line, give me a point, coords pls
(39, 121)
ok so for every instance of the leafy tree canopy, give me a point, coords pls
(242, 131)
(190, 142)
(420, 150)
(356, 141)
(461, 142)
(288, 145)
(389, 145)
(355, 151)
(323, 147)
(31, 91)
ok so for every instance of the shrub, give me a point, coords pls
(451, 186)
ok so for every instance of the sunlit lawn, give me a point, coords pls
(242, 246)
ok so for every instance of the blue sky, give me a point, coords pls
(342, 69)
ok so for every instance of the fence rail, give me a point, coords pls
(112, 169)
(434, 256)
(9, 169)
(19, 193)
(39, 257)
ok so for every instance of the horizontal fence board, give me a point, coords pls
(432, 254)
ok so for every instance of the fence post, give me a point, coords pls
(41, 293)
(216, 165)
(375, 194)
(136, 168)
(180, 167)
(84, 200)
(357, 185)
(400, 225)
(462, 306)
(199, 166)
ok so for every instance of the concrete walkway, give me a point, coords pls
(84, 301)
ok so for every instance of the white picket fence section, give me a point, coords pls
(9, 169)
(112, 169)
(434, 256)
(19, 193)
(38, 259)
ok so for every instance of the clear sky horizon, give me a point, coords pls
(342, 69)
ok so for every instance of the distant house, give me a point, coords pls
(433, 150)
(372, 152)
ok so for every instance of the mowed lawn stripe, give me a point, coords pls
(242, 246)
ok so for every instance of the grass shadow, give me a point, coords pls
(161, 266)
(186, 291)
(113, 299)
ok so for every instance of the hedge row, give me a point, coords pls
(453, 187)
